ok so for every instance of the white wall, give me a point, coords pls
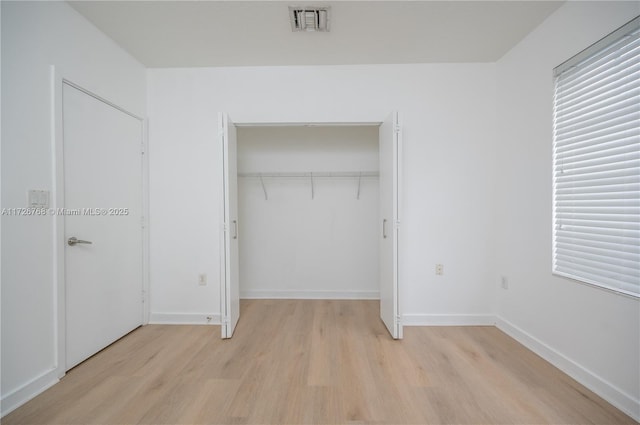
(590, 333)
(34, 36)
(293, 246)
(304, 149)
(449, 178)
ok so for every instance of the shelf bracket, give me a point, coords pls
(312, 188)
(359, 181)
(264, 189)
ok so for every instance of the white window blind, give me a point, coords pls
(597, 163)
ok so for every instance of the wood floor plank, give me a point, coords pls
(316, 362)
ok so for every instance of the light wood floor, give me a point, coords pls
(316, 362)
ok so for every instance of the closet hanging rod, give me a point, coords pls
(315, 174)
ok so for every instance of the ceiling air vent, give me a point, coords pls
(307, 18)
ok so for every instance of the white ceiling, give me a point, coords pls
(238, 33)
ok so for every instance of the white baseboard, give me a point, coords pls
(448, 320)
(278, 294)
(184, 319)
(604, 389)
(26, 392)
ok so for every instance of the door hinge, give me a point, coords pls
(225, 320)
(397, 129)
(142, 221)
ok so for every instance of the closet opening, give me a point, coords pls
(310, 212)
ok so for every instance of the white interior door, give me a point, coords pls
(390, 143)
(103, 201)
(230, 286)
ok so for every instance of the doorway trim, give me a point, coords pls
(399, 194)
(57, 81)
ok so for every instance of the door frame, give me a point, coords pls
(399, 193)
(57, 81)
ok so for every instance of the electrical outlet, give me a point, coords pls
(439, 269)
(202, 279)
(504, 283)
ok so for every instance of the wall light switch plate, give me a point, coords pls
(38, 198)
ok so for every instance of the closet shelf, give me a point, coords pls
(313, 174)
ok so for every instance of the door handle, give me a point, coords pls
(235, 229)
(72, 241)
(384, 228)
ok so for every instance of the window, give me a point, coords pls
(596, 185)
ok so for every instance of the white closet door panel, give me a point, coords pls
(230, 285)
(389, 215)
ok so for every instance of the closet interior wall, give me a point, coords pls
(308, 212)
